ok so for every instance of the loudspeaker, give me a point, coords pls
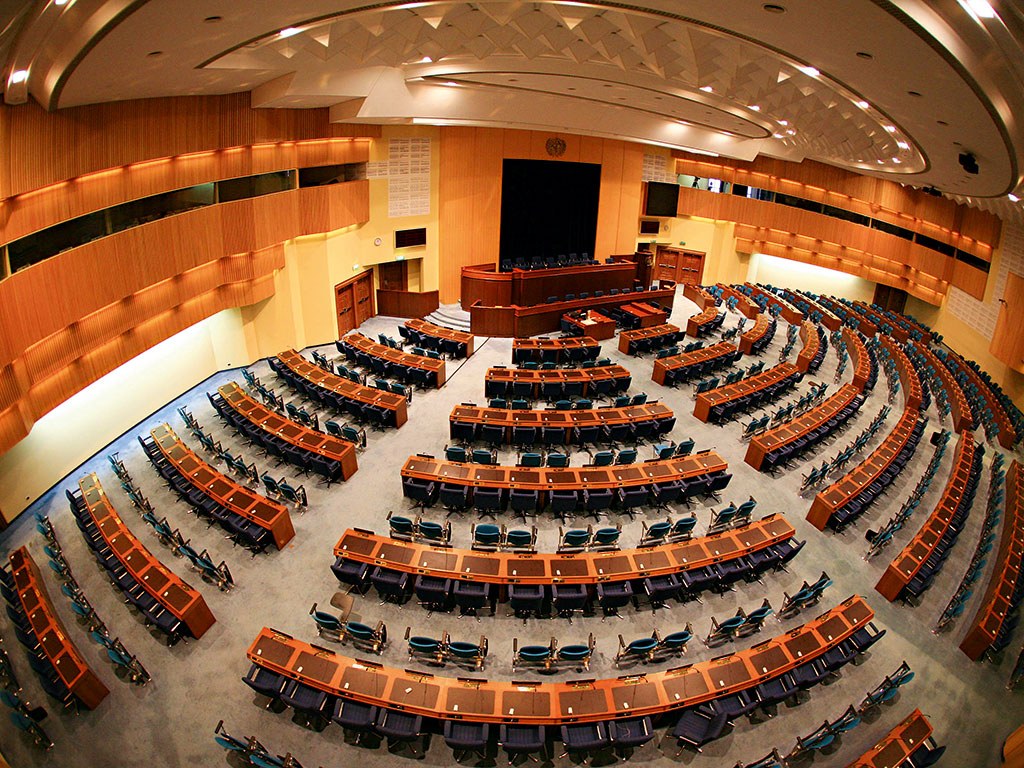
(968, 162)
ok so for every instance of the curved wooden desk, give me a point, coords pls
(699, 296)
(995, 606)
(1007, 434)
(715, 351)
(532, 349)
(864, 325)
(708, 400)
(755, 334)
(586, 376)
(481, 282)
(907, 563)
(591, 323)
(694, 323)
(509, 418)
(567, 478)
(348, 389)
(60, 650)
(828, 318)
(291, 432)
(788, 312)
(896, 747)
(786, 433)
(549, 568)
(644, 313)
(440, 332)
(959, 408)
(628, 339)
(222, 489)
(880, 321)
(837, 495)
(909, 380)
(746, 305)
(172, 593)
(551, 703)
(809, 336)
(434, 367)
(859, 356)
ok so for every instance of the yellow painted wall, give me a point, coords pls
(786, 273)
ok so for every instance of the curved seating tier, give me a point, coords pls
(846, 499)
(848, 316)
(813, 353)
(574, 350)
(590, 568)
(553, 427)
(789, 313)
(883, 322)
(898, 745)
(1007, 432)
(829, 318)
(722, 404)
(166, 600)
(1004, 588)
(641, 313)
(558, 383)
(699, 296)
(689, 365)
(304, 447)
(960, 409)
(425, 371)
(746, 305)
(758, 337)
(426, 334)
(553, 703)
(912, 571)
(63, 657)
(640, 340)
(910, 381)
(343, 395)
(704, 322)
(252, 517)
(777, 445)
(865, 369)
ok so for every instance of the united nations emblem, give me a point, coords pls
(555, 147)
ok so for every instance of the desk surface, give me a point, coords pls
(746, 305)
(570, 343)
(593, 324)
(290, 431)
(72, 669)
(828, 318)
(347, 388)
(995, 605)
(1007, 434)
(760, 328)
(551, 703)
(812, 343)
(552, 418)
(898, 743)
(858, 356)
(907, 563)
(699, 296)
(684, 359)
(626, 338)
(550, 568)
(568, 478)
(239, 499)
(370, 347)
(440, 332)
(184, 602)
(789, 313)
(538, 377)
(960, 409)
(909, 380)
(748, 386)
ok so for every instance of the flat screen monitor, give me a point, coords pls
(662, 199)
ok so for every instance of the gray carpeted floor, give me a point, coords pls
(170, 722)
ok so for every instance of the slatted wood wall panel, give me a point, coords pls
(971, 230)
(77, 316)
(470, 192)
(1008, 340)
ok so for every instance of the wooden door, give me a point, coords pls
(393, 276)
(343, 300)
(363, 295)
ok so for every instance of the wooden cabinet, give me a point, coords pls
(682, 266)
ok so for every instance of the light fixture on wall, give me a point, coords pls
(355, 267)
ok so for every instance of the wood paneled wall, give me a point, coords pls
(971, 230)
(470, 192)
(1008, 340)
(76, 316)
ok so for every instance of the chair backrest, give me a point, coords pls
(626, 456)
(531, 460)
(486, 533)
(557, 460)
(576, 537)
(657, 530)
(455, 453)
(483, 456)
(606, 535)
(603, 458)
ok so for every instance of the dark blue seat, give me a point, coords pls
(399, 727)
(522, 739)
(465, 737)
(584, 738)
(629, 734)
(350, 572)
(390, 584)
(699, 725)
(612, 595)
(354, 716)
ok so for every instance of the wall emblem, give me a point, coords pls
(555, 147)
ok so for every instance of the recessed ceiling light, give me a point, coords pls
(896, 160)
(449, 83)
(914, 93)
(754, 107)
(774, 8)
(1013, 197)
(154, 54)
(425, 60)
(979, 8)
(791, 132)
(60, 2)
(288, 32)
(881, 161)
(783, 122)
(865, 55)
(810, 71)
(902, 145)
(890, 128)
(863, 105)
(707, 89)
(19, 76)
(212, 19)
(777, 135)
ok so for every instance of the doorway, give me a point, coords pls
(353, 300)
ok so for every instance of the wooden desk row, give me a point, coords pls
(550, 568)
(339, 385)
(685, 359)
(695, 323)
(746, 305)
(959, 409)
(863, 325)
(909, 380)
(533, 349)
(72, 669)
(586, 376)
(554, 703)
(748, 386)
(788, 312)
(567, 478)
(812, 343)
(362, 343)
(907, 563)
(879, 320)
(645, 314)
(859, 356)
(897, 745)
(699, 296)
(481, 282)
(755, 334)
(172, 593)
(297, 435)
(996, 604)
(782, 435)
(1007, 434)
(667, 333)
(828, 318)
(440, 332)
(586, 417)
(591, 323)
(222, 489)
(837, 495)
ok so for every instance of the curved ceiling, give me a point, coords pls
(896, 89)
